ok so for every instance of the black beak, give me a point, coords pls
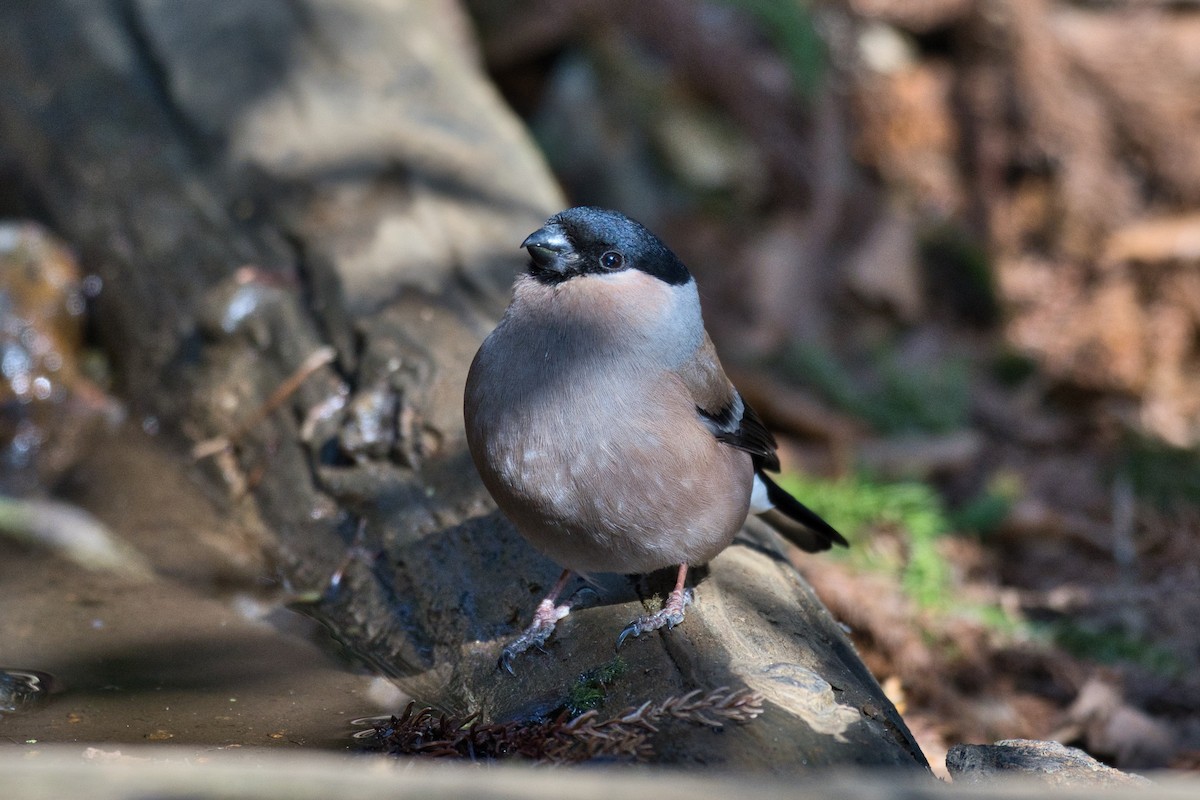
(546, 247)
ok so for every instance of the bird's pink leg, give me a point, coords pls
(548, 613)
(669, 616)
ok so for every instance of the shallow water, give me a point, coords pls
(202, 653)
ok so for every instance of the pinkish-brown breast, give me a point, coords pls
(589, 442)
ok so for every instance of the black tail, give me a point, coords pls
(798, 523)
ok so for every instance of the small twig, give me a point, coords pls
(315, 360)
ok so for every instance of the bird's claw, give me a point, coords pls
(544, 620)
(670, 615)
(632, 629)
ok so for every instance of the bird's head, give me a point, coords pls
(595, 241)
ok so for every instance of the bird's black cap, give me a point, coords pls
(596, 241)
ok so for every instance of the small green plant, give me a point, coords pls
(591, 687)
(856, 504)
(984, 512)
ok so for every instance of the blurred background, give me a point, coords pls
(951, 250)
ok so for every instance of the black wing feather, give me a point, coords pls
(739, 426)
(820, 535)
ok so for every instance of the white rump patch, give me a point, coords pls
(758, 497)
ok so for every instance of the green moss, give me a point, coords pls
(999, 619)
(856, 505)
(984, 513)
(861, 507)
(590, 688)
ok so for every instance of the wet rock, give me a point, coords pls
(45, 402)
(20, 688)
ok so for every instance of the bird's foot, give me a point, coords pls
(669, 616)
(544, 619)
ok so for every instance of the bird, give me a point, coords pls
(603, 425)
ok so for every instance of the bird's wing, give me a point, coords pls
(722, 409)
(732, 421)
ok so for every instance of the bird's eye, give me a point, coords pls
(612, 260)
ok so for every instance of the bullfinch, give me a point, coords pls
(603, 425)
